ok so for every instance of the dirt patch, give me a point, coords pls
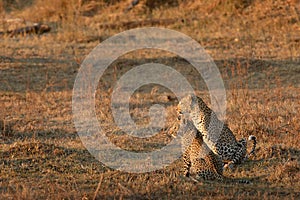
(41, 155)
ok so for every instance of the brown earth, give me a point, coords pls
(255, 45)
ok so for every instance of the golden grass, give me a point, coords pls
(255, 45)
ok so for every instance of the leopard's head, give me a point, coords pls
(185, 105)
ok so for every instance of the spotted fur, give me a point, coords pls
(218, 137)
(200, 162)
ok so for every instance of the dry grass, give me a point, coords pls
(255, 45)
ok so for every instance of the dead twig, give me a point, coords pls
(98, 187)
(35, 29)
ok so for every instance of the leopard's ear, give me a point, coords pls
(189, 98)
(192, 100)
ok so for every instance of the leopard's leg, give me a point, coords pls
(238, 157)
(243, 142)
(208, 175)
(215, 162)
(206, 171)
(187, 163)
(252, 152)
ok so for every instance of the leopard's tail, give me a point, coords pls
(237, 180)
(220, 178)
(253, 139)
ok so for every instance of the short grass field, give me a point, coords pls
(255, 45)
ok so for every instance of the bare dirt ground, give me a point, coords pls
(256, 46)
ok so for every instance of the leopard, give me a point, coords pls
(200, 163)
(216, 134)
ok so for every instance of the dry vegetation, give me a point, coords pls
(255, 44)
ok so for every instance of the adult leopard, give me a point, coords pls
(199, 161)
(218, 137)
